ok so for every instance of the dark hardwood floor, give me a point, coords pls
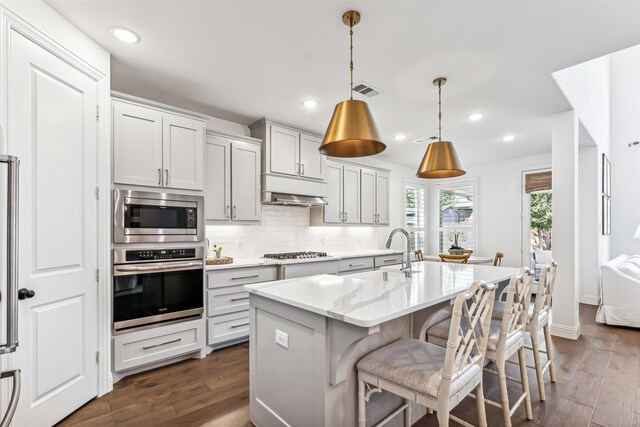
(597, 386)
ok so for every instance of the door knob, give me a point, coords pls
(25, 293)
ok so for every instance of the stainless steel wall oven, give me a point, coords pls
(156, 285)
(141, 216)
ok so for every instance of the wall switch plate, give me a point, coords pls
(282, 339)
(240, 244)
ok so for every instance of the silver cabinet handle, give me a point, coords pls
(298, 168)
(386, 261)
(161, 344)
(245, 277)
(357, 265)
(159, 176)
(235, 211)
(346, 216)
(166, 178)
(239, 299)
(302, 169)
(240, 325)
(11, 323)
(15, 395)
(226, 211)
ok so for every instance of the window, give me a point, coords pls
(414, 214)
(456, 215)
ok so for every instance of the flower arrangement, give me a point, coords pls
(218, 250)
(455, 236)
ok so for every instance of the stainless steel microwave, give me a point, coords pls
(140, 216)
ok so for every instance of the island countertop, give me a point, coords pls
(372, 298)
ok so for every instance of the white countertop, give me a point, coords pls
(332, 256)
(371, 298)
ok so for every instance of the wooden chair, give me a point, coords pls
(460, 259)
(497, 260)
(429, 375)
(419, 255)
(468, 251)
(506, 338)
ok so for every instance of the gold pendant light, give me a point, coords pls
(351, 131)
(441, 159)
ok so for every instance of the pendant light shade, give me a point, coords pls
(351, 131)
(441, 159)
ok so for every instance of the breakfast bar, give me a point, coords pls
(307, 335)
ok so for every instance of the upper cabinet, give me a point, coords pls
(155, 146)
(232, 189)
(312, 163)
(356, 195)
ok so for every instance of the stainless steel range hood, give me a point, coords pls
(294, 200)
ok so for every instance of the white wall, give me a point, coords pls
(625, 161)
(589, 223)
(287, 229)
(498, 206)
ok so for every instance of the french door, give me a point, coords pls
(52, 129)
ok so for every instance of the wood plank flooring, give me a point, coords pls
(597, 387)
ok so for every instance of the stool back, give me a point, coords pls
(544, 292)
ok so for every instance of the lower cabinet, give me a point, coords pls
(228, 303)
(147, 346)
(355, 265)
(292, 271)
(387, 260)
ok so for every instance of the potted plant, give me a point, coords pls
(217, 250)
(455, 248)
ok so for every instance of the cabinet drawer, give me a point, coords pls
(152, 345)
(353, 264)
(227, 300)
(241, 276)
(228, 327)
(385, 260)
(293, 271)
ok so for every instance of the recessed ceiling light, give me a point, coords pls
(508, 138)
(475, 116)
(310, 103)
(125, 35)
(399, 137)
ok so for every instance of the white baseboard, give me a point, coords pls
(563, 331)
(110, 381)
(590, 300)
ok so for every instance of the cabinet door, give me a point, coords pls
(333, 211)
(137, 145)
(284, 156)
(382, 197)
(351, 198)
(312, 163)
(217, 203)
(183, 152)
(245, 181)
(368, 196)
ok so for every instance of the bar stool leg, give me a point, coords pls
(525, 382)
(482, 414)
(547, 340)
(504, 396)
(443, 418)
(362, 412)
(535, 345)
(407, 413)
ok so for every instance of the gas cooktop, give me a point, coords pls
(296, 255)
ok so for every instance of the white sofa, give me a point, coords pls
(620, 292)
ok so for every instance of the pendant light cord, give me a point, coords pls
(439, 110)
(351, 58)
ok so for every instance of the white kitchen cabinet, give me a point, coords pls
(312, 163)
(351, 194)
(333, 210)
(232, 190)
(383, 199)
(284, 151)
(156, 145)
(182, 148)
(137, 145)
(368, 196)
(292, 271)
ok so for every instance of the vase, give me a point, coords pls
(218, 254)
(456, 251)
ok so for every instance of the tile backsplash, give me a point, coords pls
(286, 229)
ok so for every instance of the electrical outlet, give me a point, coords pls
(282, 339)
(240, 244)
(323, 241)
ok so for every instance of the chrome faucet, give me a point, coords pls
(407, 269)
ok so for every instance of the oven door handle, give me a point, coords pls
(123, 270)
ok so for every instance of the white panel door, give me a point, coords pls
(53, 130)
(312, 163)
(137, 145)
(183, 152)
(217, 195)
(368, 196)
(245, 181)
(284, 156)
(351, 197)
(333, 210)
(382, 197)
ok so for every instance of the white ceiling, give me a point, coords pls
(242, 60)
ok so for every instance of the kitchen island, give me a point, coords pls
(307, 335)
